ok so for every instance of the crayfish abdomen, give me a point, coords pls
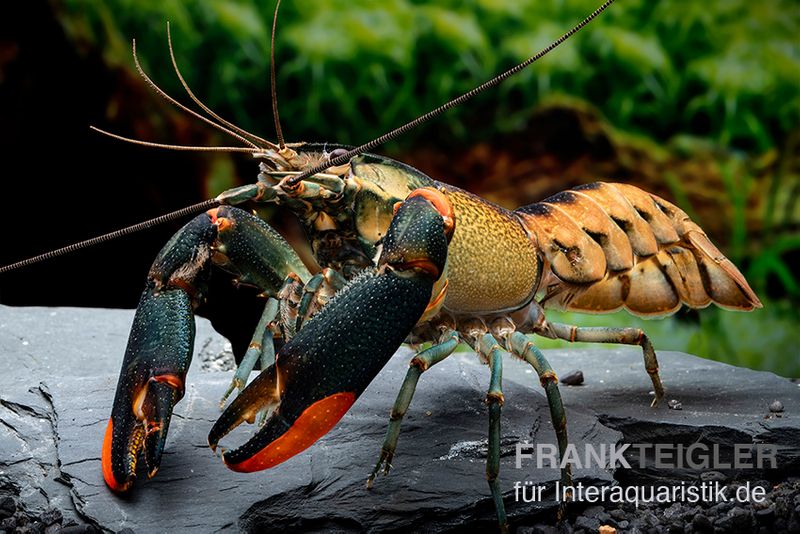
(609, 246)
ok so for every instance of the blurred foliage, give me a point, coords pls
(686, 77)
(350, 69)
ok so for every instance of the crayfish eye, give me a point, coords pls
(336, 153)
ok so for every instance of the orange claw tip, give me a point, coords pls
(441, 203)
(108, 473)
(173, 380)
(315, 421)
(222, 223)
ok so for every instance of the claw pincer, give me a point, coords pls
(156, 359)
(320, 373)
(150, 385)
(162, 336)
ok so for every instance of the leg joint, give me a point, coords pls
(419, 363)
(548, 377)
(495, 397)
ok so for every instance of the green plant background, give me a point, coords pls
(680, 77)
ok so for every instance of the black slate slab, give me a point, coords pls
(61, 369)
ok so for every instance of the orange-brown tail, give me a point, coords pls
(612, 246)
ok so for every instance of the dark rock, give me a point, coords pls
(673, 511)
(618, 514)
(650, 519)
(689, 513)
(702, 523)
(783, 505)
(573, 378)
(50, 517)
(776, 407)
(81, 529)
(675, 405)
(712, 476)
(542, 529)
(7, 506)
(55, 403)
(588, 523)
(736, 520)
(593, 512)
(765, 515)
(721, 508)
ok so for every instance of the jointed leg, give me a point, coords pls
(318, 291)
(419, 364)
(626, 336)
(520, 345)
(300, 300)
(261, 347)
(494, 398)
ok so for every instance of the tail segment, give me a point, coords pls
(612, 246)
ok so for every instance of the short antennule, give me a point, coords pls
(163, 94)
(241, 131)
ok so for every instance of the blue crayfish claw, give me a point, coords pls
(319, 374)
(151, 383)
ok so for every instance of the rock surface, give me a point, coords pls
(60, 371)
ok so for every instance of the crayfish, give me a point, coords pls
(405, 258)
